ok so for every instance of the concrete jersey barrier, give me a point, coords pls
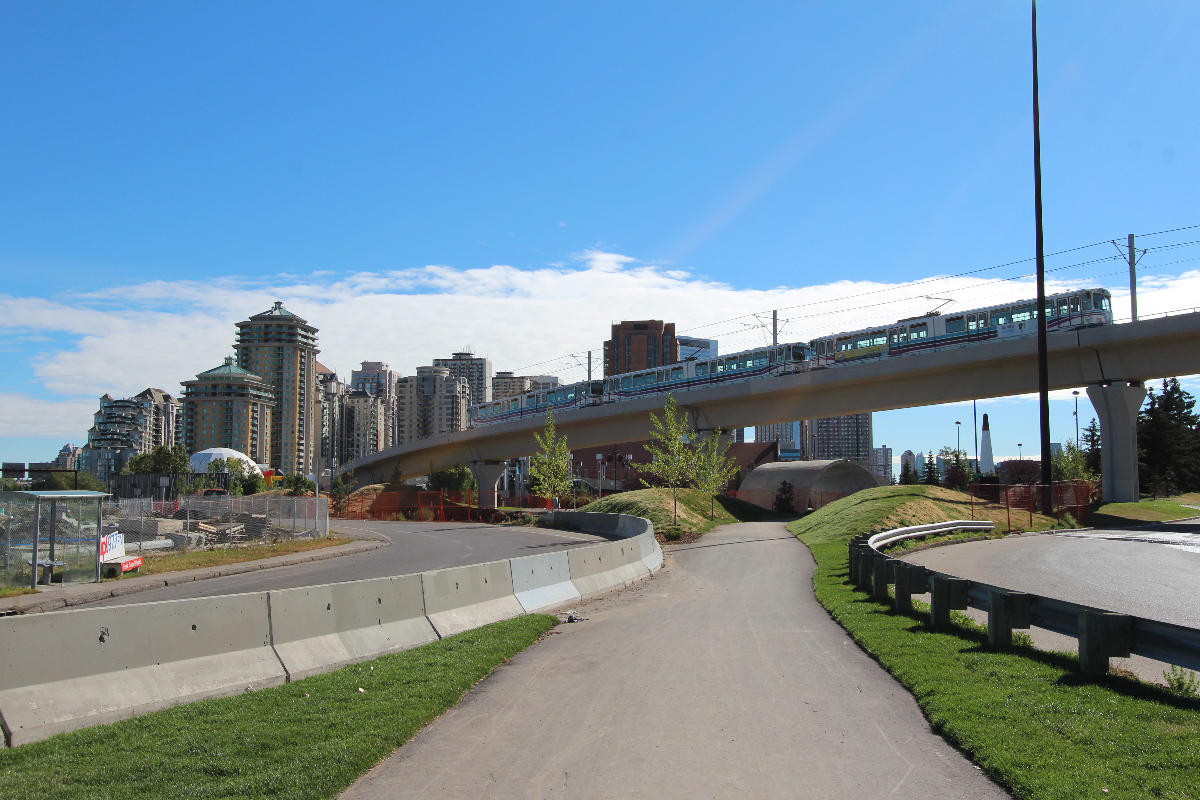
(461, 598)
(543, 581)
(65, 670)
(70, 669)
(320, 628)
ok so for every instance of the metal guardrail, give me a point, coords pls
(1102, 634)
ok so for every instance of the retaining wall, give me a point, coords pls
(64, 670)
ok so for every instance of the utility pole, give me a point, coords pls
(1043, 367)
(589, 366)
(774, 328)
(1132, 281)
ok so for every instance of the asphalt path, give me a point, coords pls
(720, 677)
(1124, 573)
(415, 547)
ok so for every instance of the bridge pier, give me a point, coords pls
(487, 475)
(1117, 405)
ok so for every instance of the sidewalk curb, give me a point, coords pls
(90, 593)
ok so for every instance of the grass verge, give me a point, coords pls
(308, 739)
(1116, 515)
(1027, 718)
(13, 591)
(694, 510)
(156, 563)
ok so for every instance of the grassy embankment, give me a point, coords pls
(1027, 718)
(694, 510)
(157, 563)
(308, 739)
(1117, 515)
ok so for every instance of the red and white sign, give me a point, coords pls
(131, 563)
(112, 547)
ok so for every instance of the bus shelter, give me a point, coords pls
(50, 536)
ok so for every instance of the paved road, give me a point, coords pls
(721, 677)
(1122, 574)
(416, 546)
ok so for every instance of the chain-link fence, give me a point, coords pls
(47, 537)
(190, 523)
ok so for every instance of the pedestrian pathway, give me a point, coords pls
(721, 677)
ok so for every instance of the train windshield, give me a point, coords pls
(798, 353)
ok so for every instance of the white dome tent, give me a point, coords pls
(199, 461)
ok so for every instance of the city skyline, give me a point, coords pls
(429, 188)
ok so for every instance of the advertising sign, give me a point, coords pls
(14, 469)
(112, 547)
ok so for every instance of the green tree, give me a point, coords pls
(1168, 434)
(162, 460)
(713, 469)
(457, 478)
(60, 481)
(908, 475)
(671, 457)
(296, 485)
(550, 466)
(1091, 446)
(340, 490)
(785, 498)
(956, 476)
(1070, 464)
(929, 475)
(216, 466)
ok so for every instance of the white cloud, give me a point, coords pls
(158, 333)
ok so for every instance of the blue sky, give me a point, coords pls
(419, 178)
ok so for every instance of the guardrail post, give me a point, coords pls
(903, 572)
(879, 577)
(1006, 610)
(946, 594)
(1102, 634)
(862, 566)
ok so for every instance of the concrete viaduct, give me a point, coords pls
(1112, 361)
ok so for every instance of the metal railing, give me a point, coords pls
(1102, 634)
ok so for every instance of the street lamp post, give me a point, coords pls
(1076, 393)
(1020, 457)
(958, 441)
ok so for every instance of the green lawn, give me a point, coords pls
(698, 512)
(1118, 515)
(1028, 719)
(308, 739)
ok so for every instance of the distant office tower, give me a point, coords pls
(881, 464)
(477, 371)
(333, 417)
(506, 384)
(429, 403)
(227, 406)
(640, 344)
(792, 436)
(691, 347)
(125, 428)
(377, 379)
(841, 437)
(909, 458)
(364, 424)
(281, 348)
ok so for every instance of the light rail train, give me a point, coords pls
(1067, 310)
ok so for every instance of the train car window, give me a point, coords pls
(843, 345)
(1087, 301)
(702, 369)
(626, 383)
(1022, 314)
(677, 373)
(797, 353)
(918, 331)
(1104, 303)
(955, 325)
(731, 363)
(1000, 317)
(1075, 304)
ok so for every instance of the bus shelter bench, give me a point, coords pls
(46, 567)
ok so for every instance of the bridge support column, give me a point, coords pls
(1117, 406)
(487, 475)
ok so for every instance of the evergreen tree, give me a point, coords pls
(550, 466)
(672, 458)
(930, 474)
(1169, 441)
(1091, 446)
(908, 475)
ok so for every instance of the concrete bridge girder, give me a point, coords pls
(1106, 355)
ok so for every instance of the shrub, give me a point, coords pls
(1182, 681)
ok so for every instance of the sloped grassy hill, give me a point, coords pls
(694, 506)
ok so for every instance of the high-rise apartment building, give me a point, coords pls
(364, 424)
(506, 384)
(228, 406)
(429, 403)
(378, 380)
(543, 383)
(640, 344)
(124, 428)
(281, 347)
(842, 437)
(793, 438)
(912, 461)
(67, 457)
(476, 371)
(333, 417)
(881, 464)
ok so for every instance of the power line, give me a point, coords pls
(1172, 230)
